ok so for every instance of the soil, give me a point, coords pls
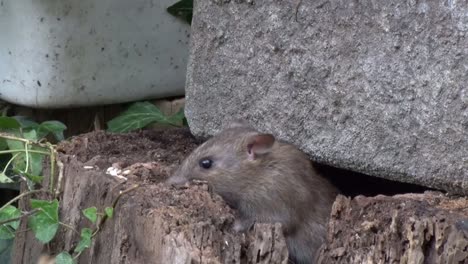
(159, 150)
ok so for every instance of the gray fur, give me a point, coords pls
(278, 186)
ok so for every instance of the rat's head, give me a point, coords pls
(228, 154)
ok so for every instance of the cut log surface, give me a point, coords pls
(153, 223)
(412, 228)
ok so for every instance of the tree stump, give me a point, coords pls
(158, 224)
(153, 223)
(410, 228)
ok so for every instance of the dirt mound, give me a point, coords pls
(166, 147)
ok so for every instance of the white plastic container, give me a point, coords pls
(68, 53)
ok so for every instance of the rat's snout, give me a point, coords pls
(176, 180)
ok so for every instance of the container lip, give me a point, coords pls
(63, 101)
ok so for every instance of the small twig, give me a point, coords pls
(26, 147)
(9, 162)
(122, 193)
(69, 227)
(52, 171)
(117, 185)
(27, 141)
(21, 196)
(97, 123)
(22, 150)
(5, 136)
(60, 177)
(114, 203)
(53, 162)
(21, 231)
(19, 217)
(77, 255)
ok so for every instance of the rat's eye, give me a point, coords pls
(205, 163)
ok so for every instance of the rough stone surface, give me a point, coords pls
(379, 87)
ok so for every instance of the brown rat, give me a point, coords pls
(266, 180)
(46, 259)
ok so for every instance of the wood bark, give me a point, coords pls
(412, 228)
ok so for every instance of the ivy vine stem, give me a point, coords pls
(22, 150)
(21, 196)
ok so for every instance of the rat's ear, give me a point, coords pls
(259, 144)
(236, 123)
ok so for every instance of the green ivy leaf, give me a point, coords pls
(139, 115)
(25, 122)
(14, 144)
(8, 123)
(4, 178)
(85, 241)
(182, 9)
(7, 231)
(35, 159)
(31, 135)
(91, 213)
(20, 161)
(3, 144)
(64, 258)
(54, 127)
(109, 211)
(34, 178)
(45, 222)
(31, 177)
